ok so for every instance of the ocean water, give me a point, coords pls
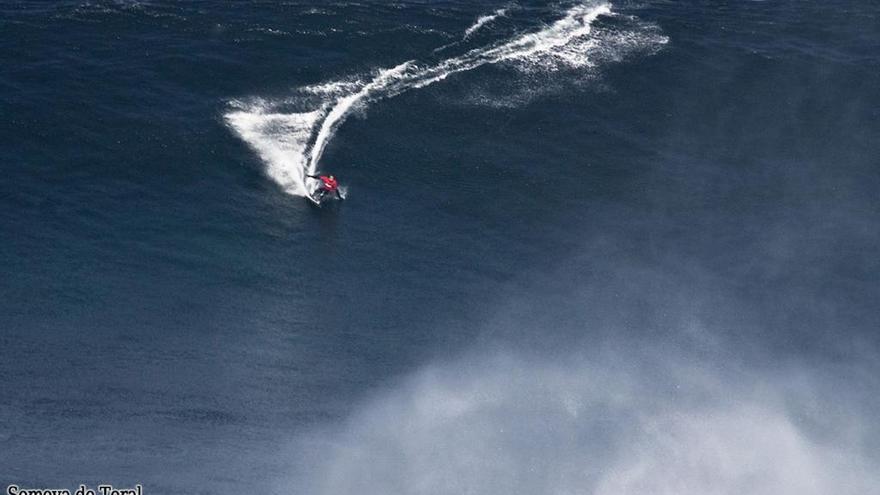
(587, 247)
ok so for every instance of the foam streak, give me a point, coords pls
(482, 21)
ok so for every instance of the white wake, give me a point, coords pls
(292, 142)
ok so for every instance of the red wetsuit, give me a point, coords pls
(329, 183)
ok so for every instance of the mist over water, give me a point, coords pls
(590, 248)
(615, 421)
(623, 378)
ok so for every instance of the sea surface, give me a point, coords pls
(596, 248)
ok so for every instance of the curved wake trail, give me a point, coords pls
(292, 144)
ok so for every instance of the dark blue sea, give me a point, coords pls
(585, 248)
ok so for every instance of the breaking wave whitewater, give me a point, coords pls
(290, 135)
